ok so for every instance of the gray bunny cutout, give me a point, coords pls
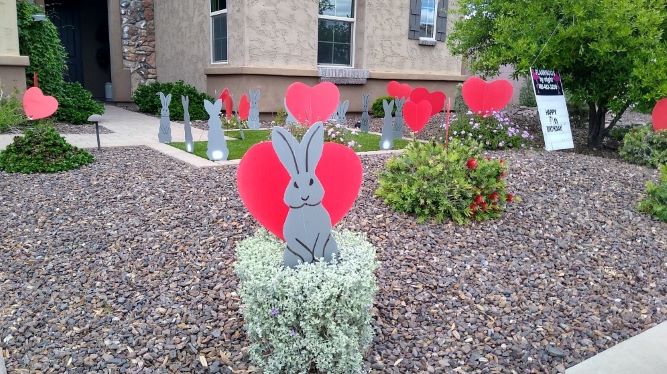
(387, 139)
(253, 117)
(217, 144)
(398, 120)
(164, 135)
(340, 115)
(189, 145)
(307, 228)
(365, 118)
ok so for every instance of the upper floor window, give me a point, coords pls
(335, 32)
(427, 19)
(219, 30)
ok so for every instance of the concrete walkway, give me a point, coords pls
(133, 129)
(645, 353)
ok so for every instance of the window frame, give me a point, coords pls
(353, 41)
(435, 22)
(212, 37)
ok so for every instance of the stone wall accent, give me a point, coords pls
(138, 40)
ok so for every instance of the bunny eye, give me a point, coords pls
(296, 185)
(311, 182)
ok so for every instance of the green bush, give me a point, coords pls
(281, 117)
(493, 132)
(460, 106)
(527, 94)
(643, 146)
(41, 41)
(377, 110)
(11, 112)
(42, 150)
(655, 202)
(147, 99)
(435, 182)
(76, 104)
(315, 318)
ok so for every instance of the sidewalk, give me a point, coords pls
(645, 353)
(132, 129)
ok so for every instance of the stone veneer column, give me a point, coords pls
(12, 64)
(138, 40)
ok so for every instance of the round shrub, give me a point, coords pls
(438, 183)
(76, 104)
(496, 131)
(147, 99)
(377, 110)
(643, 146)
(42, 150)
(315, 318)
(655, 202)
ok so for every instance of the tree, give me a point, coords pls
(612, 54)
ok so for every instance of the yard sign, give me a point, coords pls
(553, 109)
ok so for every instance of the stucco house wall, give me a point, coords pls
(272, 44)
(12, 64)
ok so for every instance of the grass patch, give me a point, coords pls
(238, 147)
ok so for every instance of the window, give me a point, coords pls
(427, 20)
(335, 32)
(219, 30)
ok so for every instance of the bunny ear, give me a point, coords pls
(218, 106)
(312, 146)
(208, 106)
(168, 99)
(287, 149)
(346, 105)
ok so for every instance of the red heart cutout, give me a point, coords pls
(309, 105)
(399, 90)
(244, 107)
(484, 98)
(435, 98)
(262, 179)
(37, 106)
(416, 115)
(226, 98)
(660, 115)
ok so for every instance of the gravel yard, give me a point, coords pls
(127, 266)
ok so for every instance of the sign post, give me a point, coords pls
(552, 107)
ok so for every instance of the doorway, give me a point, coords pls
(84, 30)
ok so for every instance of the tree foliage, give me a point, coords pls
(611, 54)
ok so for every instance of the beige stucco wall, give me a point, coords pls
(182, 40)
(12, 65)
(280, 33)
(388, 49)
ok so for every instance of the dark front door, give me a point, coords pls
(65, 15)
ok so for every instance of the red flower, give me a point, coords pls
(479, 199)
(485, 206)
(471, 164)
(494, 196)
(509, 198)
(473, 208)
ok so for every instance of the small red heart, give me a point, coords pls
(226, 98)
(399, 90)
(262, 179)
(310, 105)
(435, 98)
(660, 115)
(483, 97)
(416, 115)
(37, 106)
(244, 107)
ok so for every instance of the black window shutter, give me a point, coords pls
(415, 19)
(441, 22)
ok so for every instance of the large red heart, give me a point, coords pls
(37, 106)
(244, 107)
(262, 179)
(309, 105)
(484, 98)
(660, 115)
(399, 90)
(416, 115)
(435, 98)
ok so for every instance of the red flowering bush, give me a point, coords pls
(433, 181)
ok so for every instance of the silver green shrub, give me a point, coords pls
(312, 318)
